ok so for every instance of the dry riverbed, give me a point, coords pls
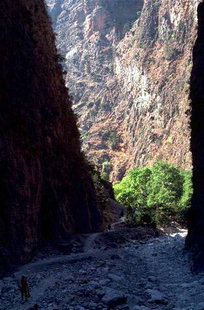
(114, 271)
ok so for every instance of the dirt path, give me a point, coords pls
(143, 275)
(88, 244)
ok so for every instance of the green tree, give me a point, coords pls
(165, 191)
(155, 195)
(185, 201)
(132, 191)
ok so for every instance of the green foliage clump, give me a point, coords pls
(138, 14)
(114, 140)
(106, 169)
(155, 195)
(185, 201)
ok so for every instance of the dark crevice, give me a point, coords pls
(195, 239)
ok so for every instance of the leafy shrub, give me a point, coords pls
(155, 195)
(114, 140)
(165, 192)
(138, 14)
(105, 176)
(169, 52)
(106, 169)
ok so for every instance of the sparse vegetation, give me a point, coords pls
(114, 140)
(169, 52)
(138, 14)
(85, 136)
(105, 105)
(106, 169)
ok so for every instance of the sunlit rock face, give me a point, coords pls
(87, 35)
(46, 192)
(128, 72)
(153, 66)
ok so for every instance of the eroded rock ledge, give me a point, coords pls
(129, 81)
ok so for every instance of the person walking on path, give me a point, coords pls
(24, 289)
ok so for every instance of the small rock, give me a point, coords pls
(113, 297)
(93, 305)
(140, 308)
(123, 307)
(200, 306)
(115, 256)
(82, 272)
(105, 270)
(104, 282)
(185, 285)
(94, 284)
(100, 292)
(80, 308)
(115, 277)
(151, 279)
(157, 297)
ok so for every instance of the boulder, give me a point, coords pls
(114, 298)
(200, 306)
(157, 297)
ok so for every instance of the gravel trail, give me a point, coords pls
(136, 275)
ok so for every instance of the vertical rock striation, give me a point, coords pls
(195, 239)
(153, 66)
(129, 72)
(46, 192)
(87, 35)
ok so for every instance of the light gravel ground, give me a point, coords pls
(137, 275)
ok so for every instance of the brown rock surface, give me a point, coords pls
(129, 69)
(46, 192)
(87, 35)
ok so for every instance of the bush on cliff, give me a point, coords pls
(155, 195)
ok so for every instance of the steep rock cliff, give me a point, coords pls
(87, 35)
(46, 192)
(153, 66)
(129, 69)
(195, 239)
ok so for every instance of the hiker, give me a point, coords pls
(24, 288)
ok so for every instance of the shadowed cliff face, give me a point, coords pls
(45, 189)
(195, 239)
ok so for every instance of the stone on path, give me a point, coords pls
(113, 297)
(200, 306)
(115, 277)
(157, 297)
(151, 279)
(140, 308)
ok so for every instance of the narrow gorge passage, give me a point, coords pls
(49, 192)
(141, 275)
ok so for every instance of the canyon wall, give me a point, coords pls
(128, 72)
(195, 238)
(46, 191)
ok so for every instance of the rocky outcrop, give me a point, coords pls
(153, 68)
(129, 76)
(46, 191)
(87, 35)
(195, 239)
